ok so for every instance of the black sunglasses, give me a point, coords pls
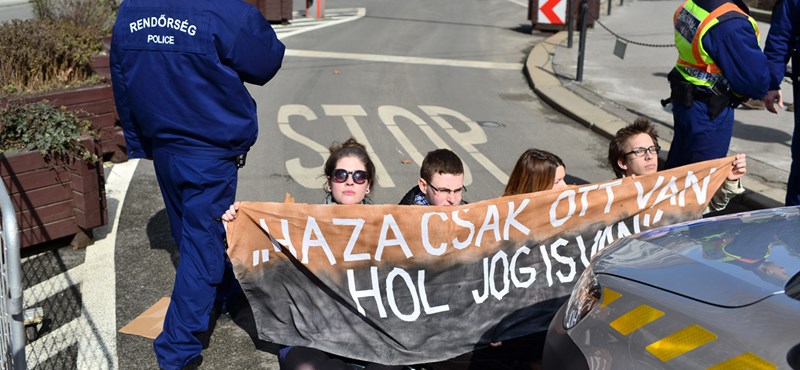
(340, 175)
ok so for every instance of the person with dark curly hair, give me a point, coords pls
(634, 152)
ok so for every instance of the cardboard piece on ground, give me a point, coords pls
(150, 322)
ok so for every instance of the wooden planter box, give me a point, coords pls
(55, 200)
(95, 103)
(275, 11)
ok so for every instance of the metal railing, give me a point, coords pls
(12, 326)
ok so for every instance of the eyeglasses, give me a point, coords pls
(639, 152)
(447, 192)
(340, 175)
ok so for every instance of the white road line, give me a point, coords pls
(95, 330)
(50, 287)
(348, 114)
(289, 30)
(519, 2)
(98, 342)
(404, 60)
(46, 346)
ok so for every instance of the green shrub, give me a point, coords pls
(43, 55)
(54, 132)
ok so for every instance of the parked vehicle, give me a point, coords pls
(716, 293)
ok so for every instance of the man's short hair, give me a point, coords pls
(440, 161)
(616, 148)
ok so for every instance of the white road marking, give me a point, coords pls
(348, 113)
(333, 17)
(40, 350)
(519, 2)
(95, 330)
(306, 176)
(475, 135)
(388, 114)
(50, 287)
(98, 342)
(404, 60)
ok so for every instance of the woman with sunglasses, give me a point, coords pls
(349, 176)
(349, 173)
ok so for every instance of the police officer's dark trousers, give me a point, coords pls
(196, 190)
(698, 137)
(793, 185)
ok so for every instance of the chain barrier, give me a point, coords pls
(628, 40)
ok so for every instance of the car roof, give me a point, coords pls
(731, 261)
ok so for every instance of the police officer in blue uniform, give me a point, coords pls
(783, 42)
(719, 65)
(178, 69)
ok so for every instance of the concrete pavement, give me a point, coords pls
(614, 91)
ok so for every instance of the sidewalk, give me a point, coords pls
(615, 91)
(15, 9)
(5, 3)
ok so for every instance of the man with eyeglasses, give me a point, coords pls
(441, 181)
(634, 152)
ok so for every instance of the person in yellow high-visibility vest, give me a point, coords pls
(719, 65)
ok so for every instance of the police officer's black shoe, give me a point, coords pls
(194, 364)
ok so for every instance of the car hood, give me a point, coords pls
(729, 261)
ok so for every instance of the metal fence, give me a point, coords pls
(12, 329)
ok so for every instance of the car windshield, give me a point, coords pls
(764, 243)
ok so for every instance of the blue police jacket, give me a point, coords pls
(178, 70)
(733, 45)
(783, 39)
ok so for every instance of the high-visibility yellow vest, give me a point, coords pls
(691, 24)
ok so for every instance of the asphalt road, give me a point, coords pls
(451, 76)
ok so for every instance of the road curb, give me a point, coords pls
(538, 69)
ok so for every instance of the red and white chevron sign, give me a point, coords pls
(552, 11)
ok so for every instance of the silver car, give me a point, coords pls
(717, 293)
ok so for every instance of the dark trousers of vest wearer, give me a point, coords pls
(196, 191)
(697, 137)
(793, 185)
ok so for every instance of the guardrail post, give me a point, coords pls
(13, 272)
(570, 23)
(582, 41)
